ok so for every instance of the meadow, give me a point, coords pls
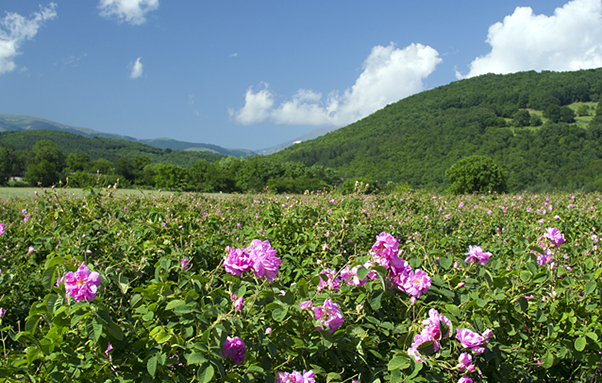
(410, 287)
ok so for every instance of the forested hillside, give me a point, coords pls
(539, 127)
(110, 149)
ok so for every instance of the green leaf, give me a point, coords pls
(446, 262)
(590, 286)
(94, 328)
(48, 277)
(151, 365)
(580, 343)
(279, 314)
(454, 310)
(175, 303)
(398, 362)
(124, 283)
(196, 358)
(205, 373)
(362, 272)
(524, 275)
(548, 360)
(375, 300)
(427, 348)
(521, 304)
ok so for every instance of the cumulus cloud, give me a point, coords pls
(16, 29)
(132, 12)
(257, 107)
(571, 39)
(137, 69)
(388, 75)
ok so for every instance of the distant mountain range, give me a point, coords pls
(20, 123)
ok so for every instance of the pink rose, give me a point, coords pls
(265, 262)
(329, 315)
(296, 377)
(332, 283)
(237, 261)
(82, 284)
(234, 348)
(556, 237)
(476, 254)
(418, 283)
(472, 340)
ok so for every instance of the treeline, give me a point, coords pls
(46, 165)
(541, 128)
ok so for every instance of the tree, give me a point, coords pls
(43, 172)
(522, 118)
(77, 161)
(476, 174)
(49, 151)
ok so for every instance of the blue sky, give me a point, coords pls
(254, 74)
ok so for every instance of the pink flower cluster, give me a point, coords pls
(432, 332)
(473, 341)
(328, 314)
(476, 254)
(82, 284)
(465, 362)
(258, 256)
(555, 236)
(542, 259)
(385, 253)
(234, 348)
(296, 377)
(239, 303)
(332, 283)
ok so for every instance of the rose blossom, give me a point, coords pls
(476, 254)
(296, 377)
(237, 261)
(556, 237)
(433, 322)
(465, 379)
(332, 283)
(464, 361)
(82, 284)
(472, 340)
(418, 283)
(185, 262)
(329, 315)
(265, 262)
(234, 348)
(239, 303)
(384, 249)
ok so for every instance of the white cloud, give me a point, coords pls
(389, 74)
(257, 106)
(137, 69)
(15, 29)
(131, 11)
(571, 39)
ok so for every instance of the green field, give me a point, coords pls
(394, 293)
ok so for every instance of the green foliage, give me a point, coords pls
(155, 321)
(418, 138)
(476, 174)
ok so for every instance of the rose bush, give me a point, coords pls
(399, 300)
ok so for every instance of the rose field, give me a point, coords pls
(407, 287)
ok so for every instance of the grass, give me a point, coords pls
(8, 193)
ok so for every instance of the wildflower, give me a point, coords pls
(556, 237)
(296, 377)
(239, 303)
(332, 283)
(464, 361)
(472, 340)
(268, 331)
(234, 348)
(305, 305)
(237, 261)
(329, 315)
(83, 284)
(476, 254)
(418, 283)
(465, 379)
(1, 229)
(185, 262)
(434, 320)
(31, 250)
(265, 262)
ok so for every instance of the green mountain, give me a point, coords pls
(24, 123)
(417, 139)
(111, 149)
